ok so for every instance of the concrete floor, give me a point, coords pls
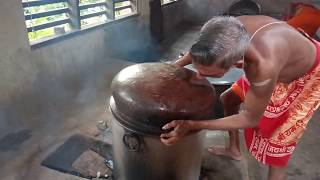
(305, 163)
(22, 161)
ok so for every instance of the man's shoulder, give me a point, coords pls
(245, 19)
(270, 42)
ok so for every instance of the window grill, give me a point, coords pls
(49, 18)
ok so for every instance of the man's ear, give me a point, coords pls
(239, 64)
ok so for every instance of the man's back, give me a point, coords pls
(276, 48)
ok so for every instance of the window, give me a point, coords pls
(163, 2)
(46, 19)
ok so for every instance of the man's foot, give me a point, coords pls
(222, 151)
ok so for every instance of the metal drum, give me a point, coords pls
(144, 98)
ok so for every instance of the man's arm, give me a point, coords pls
(255, 103)
(262, 72)
(185, 60)
(263, 63)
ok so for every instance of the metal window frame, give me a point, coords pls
(74, 19)
(168, 3)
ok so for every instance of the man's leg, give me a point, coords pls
(277, 173)
(231, 104)
(232, 151)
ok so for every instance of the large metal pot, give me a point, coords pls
(144, 98)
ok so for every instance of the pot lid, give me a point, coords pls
(147, 96)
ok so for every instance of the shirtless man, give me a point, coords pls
(305, 17)
(281, 84)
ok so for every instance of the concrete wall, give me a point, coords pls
(32, 79)
(173, 15)
(202, 10)
(54, 89)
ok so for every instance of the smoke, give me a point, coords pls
(131, 41)
(203, 10)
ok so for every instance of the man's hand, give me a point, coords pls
(180, 129)
(184, 60)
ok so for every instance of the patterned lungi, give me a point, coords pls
(290, 108)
